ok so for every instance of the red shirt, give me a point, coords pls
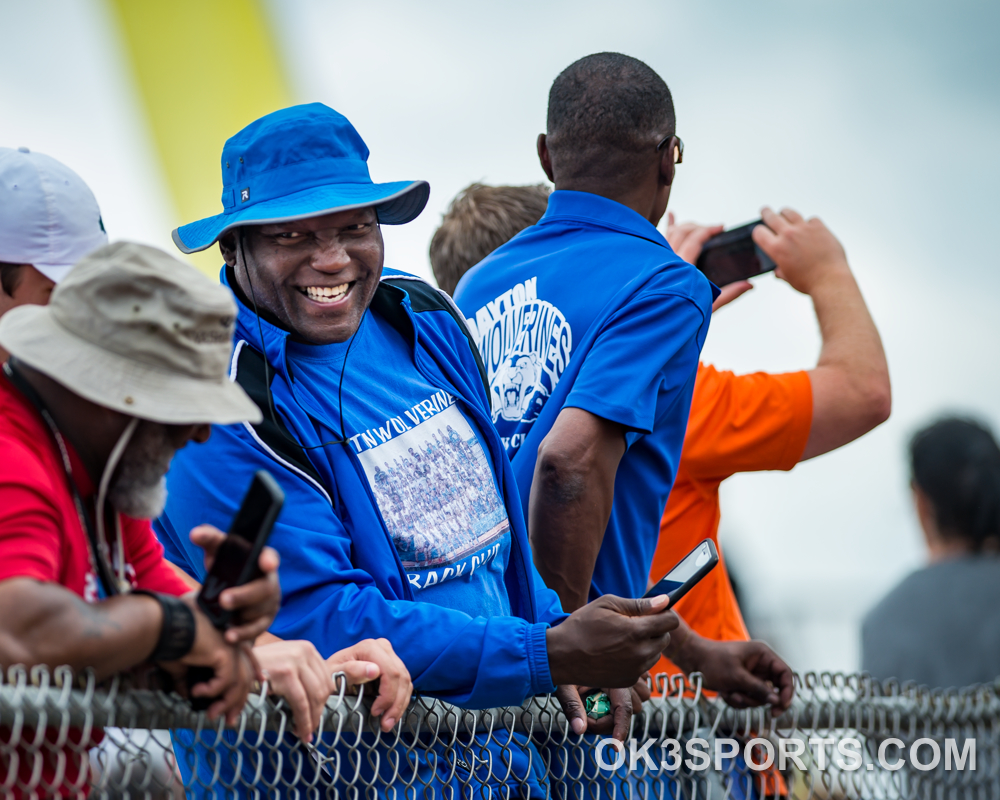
(41, 537)
(738, 423)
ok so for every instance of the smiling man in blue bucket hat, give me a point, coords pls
(402, 518)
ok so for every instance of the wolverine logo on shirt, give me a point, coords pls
(526, 344)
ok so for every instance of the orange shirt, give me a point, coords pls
(738, 423)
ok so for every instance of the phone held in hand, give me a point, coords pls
(236, 560)
(733, 256)
(686, 574)
(675, 584)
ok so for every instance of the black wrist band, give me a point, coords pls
(177, 634)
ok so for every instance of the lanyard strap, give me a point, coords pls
(97, 558)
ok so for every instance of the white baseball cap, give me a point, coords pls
(48, 216)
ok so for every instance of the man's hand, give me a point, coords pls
(730, 292)
(624, 703)
(371, 659)
(687, 240)
(297, 672)
(745, 674)
(256, 602)
(233, 665)
(804, 249)
(851, 391)
(610, 642)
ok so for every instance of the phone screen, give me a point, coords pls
(684, 571)
(230, 561)
(235, 560)
(255, 508)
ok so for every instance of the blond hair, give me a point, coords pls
(478, 221)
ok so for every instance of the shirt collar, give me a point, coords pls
(599, 211)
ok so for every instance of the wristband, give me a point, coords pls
(177, 634)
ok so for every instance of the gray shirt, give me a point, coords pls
(940, 627)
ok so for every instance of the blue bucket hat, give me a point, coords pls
(297, 163)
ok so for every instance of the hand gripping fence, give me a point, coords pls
(845, 736)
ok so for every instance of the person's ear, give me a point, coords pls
(201, 433)
(12, 274)
(667, 166)
(544, 158)
(926, 515)
(227, 246)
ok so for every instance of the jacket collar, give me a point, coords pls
(602, 212)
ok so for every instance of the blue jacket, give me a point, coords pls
(341, 578)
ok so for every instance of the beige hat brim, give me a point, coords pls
(32, 335)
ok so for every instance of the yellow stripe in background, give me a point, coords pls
(205, 69)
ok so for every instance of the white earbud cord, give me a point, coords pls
(124, 586)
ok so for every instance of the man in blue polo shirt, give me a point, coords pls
(590, 328)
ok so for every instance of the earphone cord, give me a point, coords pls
(267, 369)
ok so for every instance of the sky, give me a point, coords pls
(882, 118)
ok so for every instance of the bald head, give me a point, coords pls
(607, 112)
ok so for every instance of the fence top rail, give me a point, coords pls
(824, 701)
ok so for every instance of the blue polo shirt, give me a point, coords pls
(592, 309)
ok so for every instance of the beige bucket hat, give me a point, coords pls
(135, 330)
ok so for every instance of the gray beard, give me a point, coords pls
(139, 490)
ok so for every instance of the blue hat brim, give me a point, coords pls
(396, 203)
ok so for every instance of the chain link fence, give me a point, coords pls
(844, 737)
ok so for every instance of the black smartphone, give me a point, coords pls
(683, 577)
(733, 256)
(236, 561)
